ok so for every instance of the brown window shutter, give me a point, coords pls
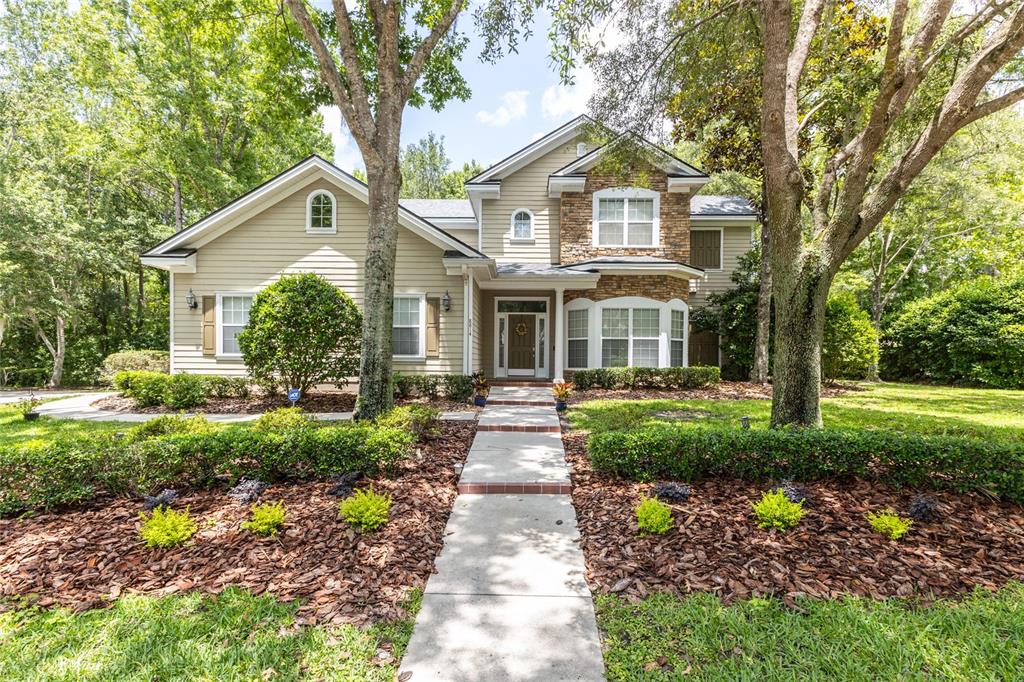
(209, 325)
(433, 327)
(705, 248)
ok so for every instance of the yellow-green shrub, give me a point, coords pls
(267, 519)
(366, 509)
(889, 523)
(653, 516)
(283, 418)
(165, 527)
(775, 510)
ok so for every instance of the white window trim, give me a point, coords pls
(568, 338)
(309, 213)
(512, 227)
(596, 308)
(721, 247)
(422, 351)
(219, 319)
(626, 193)
(684, 338)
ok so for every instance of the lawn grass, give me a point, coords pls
(234, 636)
(996, 415)
(14, 429)
(698, 638)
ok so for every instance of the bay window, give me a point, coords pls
(625, 331)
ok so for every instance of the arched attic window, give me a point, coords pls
(321, 211)
(522, 224)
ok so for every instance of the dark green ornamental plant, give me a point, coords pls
(302, 331)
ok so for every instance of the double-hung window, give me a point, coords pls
(234, 315)
(578, 329)
(630, 337)
(626, 221)
(407, 326)
(615, 337)
(678, 336)
(644, 337)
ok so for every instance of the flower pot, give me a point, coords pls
(31, 416)
(560, 405)
(480, 400)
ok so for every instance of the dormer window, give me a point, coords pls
(626, 218)
(522, 224)
(320, 213)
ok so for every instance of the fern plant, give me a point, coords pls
(775, 510)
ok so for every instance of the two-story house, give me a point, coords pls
(548, 267)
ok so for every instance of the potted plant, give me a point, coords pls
(562, 391)
(480, 389)
(28, 408)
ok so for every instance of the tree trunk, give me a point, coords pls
(759, 373)
(57, 352)
(877, 310)
(179, 221)
(375, 387)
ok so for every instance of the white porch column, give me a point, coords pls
(559, 333)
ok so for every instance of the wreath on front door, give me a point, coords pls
(521, 329)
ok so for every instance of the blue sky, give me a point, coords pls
(513, 102)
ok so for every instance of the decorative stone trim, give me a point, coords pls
(516, 488)
(519, 428)
(657, 287)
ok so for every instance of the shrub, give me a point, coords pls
(698, 376)
(283, 418)
(185, 391)
(653, 516)
(457, 387)
(267, 519)
(165, 527)
(366, 509)
(302, 330)
(168, 424)
(146, 389)
(135, 360)
(850, 345)
(923, 508)
(688, 452)
(889, 524)
(228, 387)
(418, 420)
(775, 510)
(973, 334)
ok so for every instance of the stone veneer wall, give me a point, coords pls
(576, 220)
(659, 287)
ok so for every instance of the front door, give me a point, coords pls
(522, 344)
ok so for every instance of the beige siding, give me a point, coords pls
(526, 188)
(465, 236)
(735, 243)
(274, 242)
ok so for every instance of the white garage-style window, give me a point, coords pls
(522, 224)
(626, 217)
(321, 213)
(628, 331)
(408, 335)
(232, 316)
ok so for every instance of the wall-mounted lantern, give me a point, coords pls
(190, 300)
(446, 301)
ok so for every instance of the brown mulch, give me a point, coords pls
(258, 404)
(726, 390)
(85, 558)
(716, 547)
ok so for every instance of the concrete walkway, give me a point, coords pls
(509, 600)
(80, 407)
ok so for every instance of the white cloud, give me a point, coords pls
(513, 106)
(560, 100)
(346, 152)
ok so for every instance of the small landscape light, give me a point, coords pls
(190, 300)
(745, 422)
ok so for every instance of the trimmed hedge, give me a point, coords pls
(177, 391)
(690, 452)
(64, 471)
(457, 387)
(698, 376)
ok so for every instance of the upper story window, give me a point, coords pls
(522, 224)
(706, 248)
(321, 213)
(626, 218)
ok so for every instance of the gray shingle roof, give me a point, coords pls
(534, 270)
(719, 204)
(439, 208)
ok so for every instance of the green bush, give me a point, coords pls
(302, 331)
(418, 420)
(698, 376)
(185, 391)
(775, 510)
(165, 528)
(135, 360)
(850, 345)
(688, 452)
(427, 385)
(283, 418)
(69, 470)
(653, 516)
(146, 389)
(972, 334)
(889, 523)
(366, 509)
(168, 424)
(266, 520)
(457, 387)
(228, 387)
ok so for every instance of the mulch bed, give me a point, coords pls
(727, 390)
(258, 404)
(716, 547)
(85, 558)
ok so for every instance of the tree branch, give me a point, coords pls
(426, 48)
(350, 59)
(809, 22)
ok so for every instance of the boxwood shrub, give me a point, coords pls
(690, 452)
(68, 470)
(698, 376)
